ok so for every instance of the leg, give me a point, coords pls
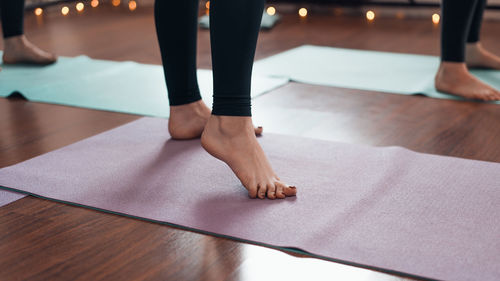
(11, 13)
(177, 38)
(229, 134)
(476, 56)
(17, 48)
(453, 77)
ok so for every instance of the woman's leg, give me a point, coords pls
(11, 14)
(229, 134)
(17, 49)
(477, 56)
(453, 77)
(177, 38)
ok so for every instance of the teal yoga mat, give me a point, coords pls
(128, 87)
(365, 70)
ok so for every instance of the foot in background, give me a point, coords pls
(232, 140)
(455, 79)
(476, 56)
(18, 49)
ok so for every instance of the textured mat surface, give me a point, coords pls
(128, 87)
(365, 70)
(7, 197)
(387, 208)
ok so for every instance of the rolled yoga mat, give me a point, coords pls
(365, 70)
(377, 207)
(128, 87)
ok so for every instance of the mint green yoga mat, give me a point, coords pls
(128, 87)
(365, 70)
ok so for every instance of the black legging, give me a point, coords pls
(234, 27)
(461, 24)
(12, 16)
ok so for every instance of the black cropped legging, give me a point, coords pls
(12, 16)
(234, 28)
(461, 24)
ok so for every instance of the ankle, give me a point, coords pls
(473, 48)
(194, 108)
(14, 42)
(452, 69)
(232, 125)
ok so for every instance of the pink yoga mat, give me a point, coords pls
(7, 197)
(387, 208)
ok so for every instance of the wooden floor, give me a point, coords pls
(43, 240)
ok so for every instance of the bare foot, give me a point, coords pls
(232, 140)
(454, 78)
(187, 121)
(478, 57)
(19, 50)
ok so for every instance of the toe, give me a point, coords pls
(280, 194)
(290, 190)
(261, 193)
(271, 191)
(258, 131)
(252, 191)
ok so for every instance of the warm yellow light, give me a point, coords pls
(436, 18)
(132, 5)
(94, 3)
(400, 15)
(271, 11)
(302, 12)
(115, 3)
(370, 15)
(65, 10)
(207, 5)
(80, 6)
(38, 11)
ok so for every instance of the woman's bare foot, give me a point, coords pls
(18, 49)
(454, 78)
(478, 57)
(187, 121)
(232, 140)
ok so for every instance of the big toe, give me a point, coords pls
(290, 191)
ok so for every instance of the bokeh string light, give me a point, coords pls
(80, 6)
(303, 12)
(271, 11)
(436, 18)
(132, 5)
(38, 11)
(65, 10)
(370, 15)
